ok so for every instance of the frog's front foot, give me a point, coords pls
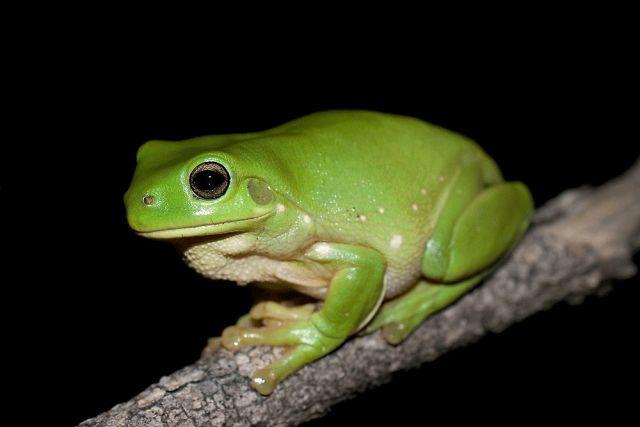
(307, 344)
(354, 292)
(270, 313)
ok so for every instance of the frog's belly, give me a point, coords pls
(234, 259)
(398, 279)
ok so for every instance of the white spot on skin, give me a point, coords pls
(306, 219)
(323, 248)
(423, 191)
(280, 207)
(414, 207)
(381, 210)
(396, 241)
(362, 218)
(203, 212)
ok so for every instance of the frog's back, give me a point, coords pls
(364, 143)
(373, 179)
(373, 168)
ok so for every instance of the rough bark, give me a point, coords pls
(579, 242)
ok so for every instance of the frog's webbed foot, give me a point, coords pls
(266, 314)
(307, 343)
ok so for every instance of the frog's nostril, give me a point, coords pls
(148, 200)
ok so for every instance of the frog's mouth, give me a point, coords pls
(205, 229)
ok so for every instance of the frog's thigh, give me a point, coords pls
(486, 229)
(459, 255)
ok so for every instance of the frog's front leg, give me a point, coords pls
(354, 294)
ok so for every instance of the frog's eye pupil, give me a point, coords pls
(209, 180)
(206, 180)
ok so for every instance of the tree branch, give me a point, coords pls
(578, 242)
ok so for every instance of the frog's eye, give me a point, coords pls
(209, 180)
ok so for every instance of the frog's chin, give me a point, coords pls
(205, 229)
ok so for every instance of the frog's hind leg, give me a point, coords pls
(478, 226)
(400, 316)
(481, 220)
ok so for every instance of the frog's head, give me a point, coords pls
(196, 188)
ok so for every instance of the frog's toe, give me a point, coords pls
(395, 332)
(245, 321)
(236, 337)
(281, 312)
(232, 337)
(266, 379)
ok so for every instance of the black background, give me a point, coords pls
(108, 313)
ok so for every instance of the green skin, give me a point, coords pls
(385, 219)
